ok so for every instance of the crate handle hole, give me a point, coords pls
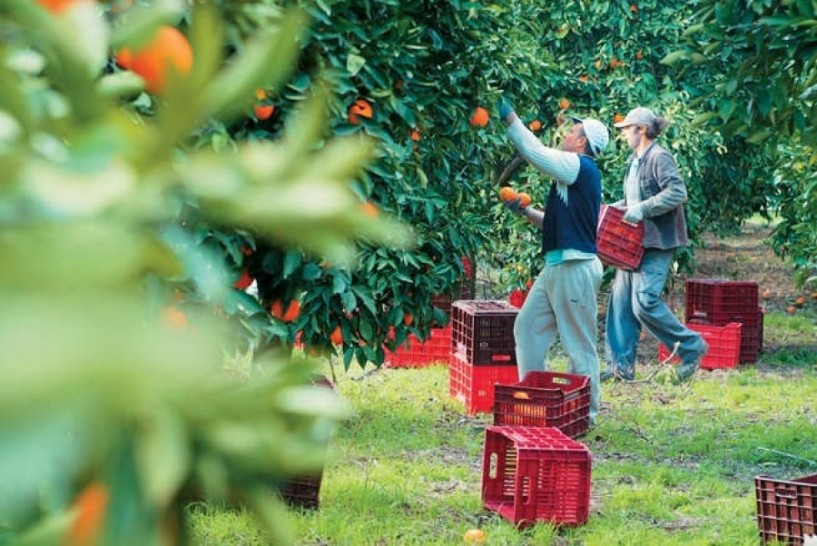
(493, 465)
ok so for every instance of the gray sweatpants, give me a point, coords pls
(562, 300)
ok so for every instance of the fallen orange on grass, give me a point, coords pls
(168, 50)
(90, 508)
(474, 536)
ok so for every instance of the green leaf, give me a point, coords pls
(292, 260)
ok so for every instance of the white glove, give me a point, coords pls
(634, 214)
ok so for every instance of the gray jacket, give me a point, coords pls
(663, 194)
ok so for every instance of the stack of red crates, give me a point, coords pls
(532, 474)
(483, 351)
(617, 242)
(545, 399)
(717, 302)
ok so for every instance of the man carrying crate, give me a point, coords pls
(563, 297)
(654, 194)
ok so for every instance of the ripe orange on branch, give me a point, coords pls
(90, 507)
(58, 6)
(564, 104)
(535, 125)
(480, 117)
(153, 62)
(360, 109)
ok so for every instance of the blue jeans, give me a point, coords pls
(635, 301)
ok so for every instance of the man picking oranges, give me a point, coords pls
(563, 297)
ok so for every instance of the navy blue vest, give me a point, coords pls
(573, 225)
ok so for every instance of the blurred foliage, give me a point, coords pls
(756, 65)
(112, 328)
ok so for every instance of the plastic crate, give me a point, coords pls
(482, 332)
(786, 510)
(532, 474)
(417, 354)
(618, 243)
(751, 338)
(545, 399)
(474, 385)
(724, 345)
(721, 301)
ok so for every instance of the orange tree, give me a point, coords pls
(758, 62)
(115, 405)
(421, 79)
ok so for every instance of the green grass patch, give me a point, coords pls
(672, 465)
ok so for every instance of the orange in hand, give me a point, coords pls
(507, 194)
(168, 50)
(524, 199)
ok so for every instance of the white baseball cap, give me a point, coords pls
(637, 116)
(596, 133)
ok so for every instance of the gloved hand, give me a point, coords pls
(504, 108)
(634, 214)
(515, 206)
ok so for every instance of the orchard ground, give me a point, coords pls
(672, 465)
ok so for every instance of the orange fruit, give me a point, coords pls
(90, 506)
(639, 55)
(292, 312)
(369, 209)
(263, 111)
(474, 536)
(168, 50)
(507, 193)
(584, 78)
(535, 125)
(767, 294)
(360, 109)
(791, 309)
(336, 337)
(480, 117)
(260, 94)
(799, 302)
(174, 318)
(524, 199)
(243, 281)
(633, 8)
(618, 118)
(415, 135)
(528, 284)
(564, 104)
(57, 6)
(408, 318)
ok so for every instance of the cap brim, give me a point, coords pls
(574, 119)
(621, 124)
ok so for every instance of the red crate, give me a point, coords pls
(532, 474)
(721, 301)
(545, 399)
(724, 345)
(474, 385)
(417, 354)
(618, 243)
(751, 338)
(786, 510)
(483, 332)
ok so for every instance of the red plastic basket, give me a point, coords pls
(483, 332)
(721, 301)
(474, 385)
(786, 510)
(532, 474)
(618, 243)
(724, 345)
(545, 399)
(517, 298)
(417, 354)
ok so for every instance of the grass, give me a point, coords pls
(671, 465)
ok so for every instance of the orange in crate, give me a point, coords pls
(545, 399)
